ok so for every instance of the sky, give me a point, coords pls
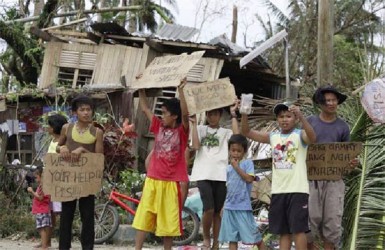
(219, 18)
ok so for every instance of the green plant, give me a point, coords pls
(16, 219)
(132, 180)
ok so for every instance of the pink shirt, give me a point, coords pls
(168, 161)
(43, 206)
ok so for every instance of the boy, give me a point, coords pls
(238, 222)
(75, 139)
(160, 205)
(288, 212)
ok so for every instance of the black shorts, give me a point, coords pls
(213, 194)
(289, 213)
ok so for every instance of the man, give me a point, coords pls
(326, 199)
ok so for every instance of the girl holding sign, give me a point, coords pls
(76, 139)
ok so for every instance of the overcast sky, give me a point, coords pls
(222, 23)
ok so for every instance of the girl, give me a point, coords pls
(238, 222)
(41, 210)
(76, 139)
(209, 170)
(55, 124)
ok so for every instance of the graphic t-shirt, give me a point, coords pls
(289, 163)
(238, 190)
(211, 159)
(168, 159)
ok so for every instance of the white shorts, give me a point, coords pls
(56, 206)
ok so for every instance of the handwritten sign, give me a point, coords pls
(67, 181)
(167, 71)
(330, 161)
(209, 95)
(373, 99)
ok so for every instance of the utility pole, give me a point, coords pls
(325, 59)
(235, 25)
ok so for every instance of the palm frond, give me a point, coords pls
(364, 201)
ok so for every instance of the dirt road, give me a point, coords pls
(7, 244)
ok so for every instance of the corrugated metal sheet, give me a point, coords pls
(176, 32)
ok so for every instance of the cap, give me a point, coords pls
(279, 107)
(319, 98)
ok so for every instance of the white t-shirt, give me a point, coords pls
(211, 161)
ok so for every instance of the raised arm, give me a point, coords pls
(183, 104)
(258, 136)
(144, 105)
(308, 135)
(234, 121)
(195, 143)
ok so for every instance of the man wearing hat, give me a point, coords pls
(326, 199)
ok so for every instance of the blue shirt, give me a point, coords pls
(238, 190)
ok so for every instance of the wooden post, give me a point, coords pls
(235, 24)
(325, 42)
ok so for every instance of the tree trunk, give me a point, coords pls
(37, 9)
(132, 19)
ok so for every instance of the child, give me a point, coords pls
(288, 212)
(41, 210)
(55, 124)
(183, 185)
(238, 222)
(209, 170)
(161, 204)
(75, 139)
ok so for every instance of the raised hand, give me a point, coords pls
(235, 107)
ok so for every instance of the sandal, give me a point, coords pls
(215, 246)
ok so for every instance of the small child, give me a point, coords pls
(238, 222)
(55, 124)
(288, 213)
(41, 210)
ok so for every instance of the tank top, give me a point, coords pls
(86, 139)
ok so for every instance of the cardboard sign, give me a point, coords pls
(373, 100)
(209, 95)
(167, 71)
(330, 161)
(67, 181)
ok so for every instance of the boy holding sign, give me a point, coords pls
(75, 139)
(288, 214)
(160, 206)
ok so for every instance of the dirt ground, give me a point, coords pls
(8, 244)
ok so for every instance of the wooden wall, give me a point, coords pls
(108, 62)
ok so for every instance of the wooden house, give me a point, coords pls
(110, 58)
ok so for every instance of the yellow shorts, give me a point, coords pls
(159, 209)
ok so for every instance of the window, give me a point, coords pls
(76, 68)
(167, 93)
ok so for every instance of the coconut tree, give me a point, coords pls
(145, 18)
(301, 23)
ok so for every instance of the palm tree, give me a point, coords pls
(146, 17)
(301, 23)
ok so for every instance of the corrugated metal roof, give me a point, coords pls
(176, 32)
(224, 42)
